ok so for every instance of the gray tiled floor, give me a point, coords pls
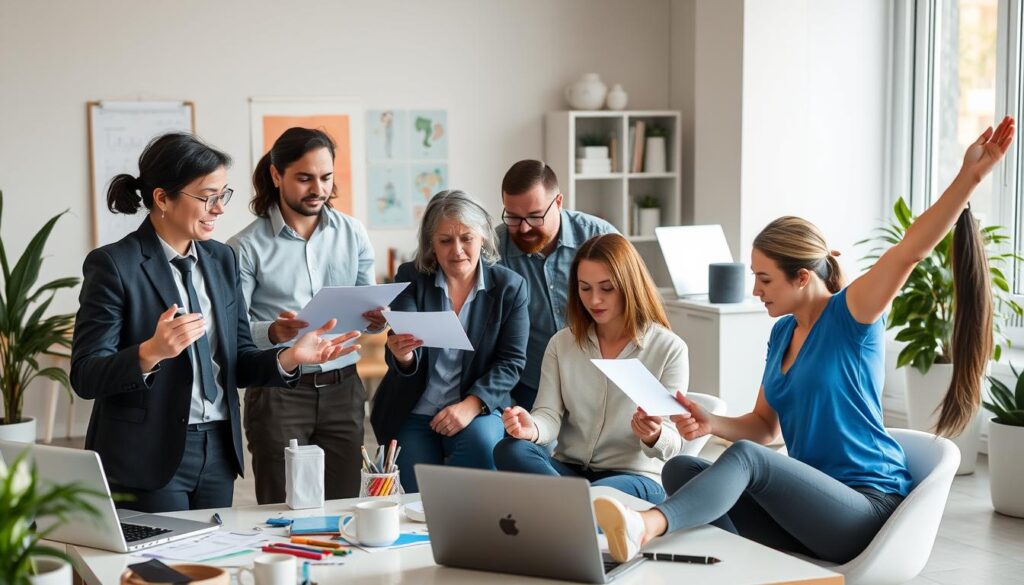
(975, 546)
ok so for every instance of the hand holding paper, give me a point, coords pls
(434, 328)
(347, 304)
(637, 382)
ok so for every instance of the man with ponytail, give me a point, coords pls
(162, 337)
(298, 245)
(821, 389)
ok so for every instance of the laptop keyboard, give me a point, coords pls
(609, 564)
(136, 532)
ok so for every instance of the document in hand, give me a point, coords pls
(347, 304)
(633, 378)
(436, 328)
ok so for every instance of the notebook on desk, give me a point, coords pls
(115, 530)
(307, 525)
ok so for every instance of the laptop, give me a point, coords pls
(114, 530)
(688, 250)
(518, 523)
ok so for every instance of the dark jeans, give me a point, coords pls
(471, 447)
(526, 457)
(775, 500)
(205, 477)
(330, 416)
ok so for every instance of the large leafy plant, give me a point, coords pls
(24, 499)
(922, 312)
(1007, 405)
(25, 333)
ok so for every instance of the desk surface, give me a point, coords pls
(743, 561)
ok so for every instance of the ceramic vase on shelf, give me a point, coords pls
(649, 218)
(617, 98)
(586, 94)
(654, 155)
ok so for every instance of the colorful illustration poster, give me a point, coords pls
(388, 204)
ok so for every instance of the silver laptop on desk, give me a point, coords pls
(514, 523)
(688, 250)
(115, 530)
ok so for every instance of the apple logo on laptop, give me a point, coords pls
(508, 525)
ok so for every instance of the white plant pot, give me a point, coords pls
(654, 155)
(924, 394)
(592, 152)
(649, 218)
(23, 432)
(1006, 468)
(54, 572)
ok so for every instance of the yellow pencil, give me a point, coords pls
(386, 488)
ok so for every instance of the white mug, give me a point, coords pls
(376, 523)
(271, 569)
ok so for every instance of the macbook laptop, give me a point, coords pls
(688, 250)
(518, 523)
(115, 530)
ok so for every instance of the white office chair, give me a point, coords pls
(901, 548)
(712, 404)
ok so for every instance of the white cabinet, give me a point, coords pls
(612, 192)
(727, 345)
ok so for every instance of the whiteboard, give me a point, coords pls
(118, 132)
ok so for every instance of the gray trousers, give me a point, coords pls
(775, 500)
(330, 416)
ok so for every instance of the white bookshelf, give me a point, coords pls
(610, 195)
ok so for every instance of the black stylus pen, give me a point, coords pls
(681, 558)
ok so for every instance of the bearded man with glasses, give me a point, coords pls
(538, 239)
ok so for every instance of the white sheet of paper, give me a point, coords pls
(347, 304)
(210, 547)
(637, 382)
(436, 328)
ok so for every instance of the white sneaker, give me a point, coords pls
(623, 527)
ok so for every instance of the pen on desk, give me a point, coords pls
(315, 542)
(305, 573)
(292, 551)
(308, 549)
(681, 558)
(216, 519)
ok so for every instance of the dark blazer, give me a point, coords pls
(499, 326)
(139, 430)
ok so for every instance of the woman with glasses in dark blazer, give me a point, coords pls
(444, 405)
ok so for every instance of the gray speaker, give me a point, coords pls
(725, 282)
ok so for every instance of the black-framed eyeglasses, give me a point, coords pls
(223, 198)
(531, 220)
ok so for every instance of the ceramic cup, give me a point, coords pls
(376, 523)
(271, 569)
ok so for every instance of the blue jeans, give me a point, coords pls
(526, 457)
(775, 500)
(473, 446)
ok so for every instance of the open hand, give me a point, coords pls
(647, 428)
(987, 150)
(313, 348)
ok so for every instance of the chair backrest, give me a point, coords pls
(901, 548)
(712, 404)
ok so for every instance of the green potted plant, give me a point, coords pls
(24, 500)
(648, 214)
(922, 315)
(593, 147)
(1005, 440)
(26, 334)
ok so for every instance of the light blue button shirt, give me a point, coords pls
(444, 379)
(200, 410)
(281, 271)
(548, 279)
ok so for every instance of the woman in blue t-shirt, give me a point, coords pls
(822, 389)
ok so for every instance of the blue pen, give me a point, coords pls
(305, 573)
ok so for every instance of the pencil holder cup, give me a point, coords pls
(380, 485)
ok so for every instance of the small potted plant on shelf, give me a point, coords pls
(24, 501)
(654, 152)
(648, 214)
(1005, 442)
(25, 333)
(922, 315)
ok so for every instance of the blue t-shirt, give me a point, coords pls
(829, 403)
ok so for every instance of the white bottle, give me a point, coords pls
(303, 475)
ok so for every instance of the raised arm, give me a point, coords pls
(870, 295)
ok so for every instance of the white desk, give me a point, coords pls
(743, 561)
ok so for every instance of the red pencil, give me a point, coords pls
(290, 551)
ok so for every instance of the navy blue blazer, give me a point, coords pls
(139, 430)
(499, 327)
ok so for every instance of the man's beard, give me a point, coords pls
(301, 209)
(532, 245)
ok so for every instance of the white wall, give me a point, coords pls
(497, 67)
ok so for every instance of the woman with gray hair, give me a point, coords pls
(444, 405)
